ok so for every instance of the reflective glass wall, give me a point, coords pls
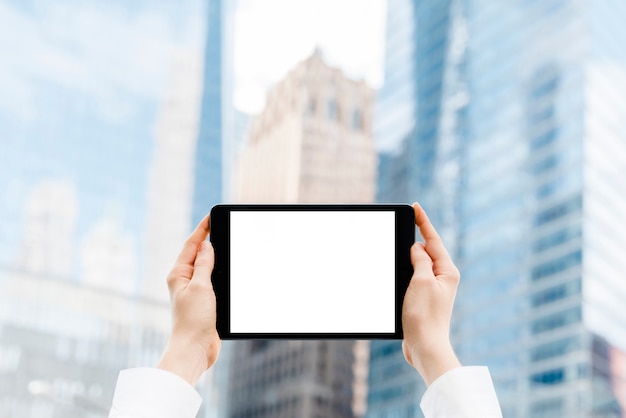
(99, 124)
(520, 308)
(517, 144)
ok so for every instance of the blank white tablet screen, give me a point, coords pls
(312, 272)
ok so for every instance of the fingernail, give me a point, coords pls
(205, 247)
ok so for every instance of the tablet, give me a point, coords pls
(311, 271)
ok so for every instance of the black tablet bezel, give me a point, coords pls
(220, 239)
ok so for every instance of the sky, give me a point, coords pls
(95, 47)
(272, 36)
(99, 49)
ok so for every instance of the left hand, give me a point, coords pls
(194, 344)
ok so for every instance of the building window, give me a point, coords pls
(546, 82)
(311, 107)
(542, 106)
(257, 346)
(558, 211)
(333, 110)
(544, 138)
(544, 165)
(550, 188)
(555, 293)
(555, 348)
(557, 320)
(357, 120)
(556, 238)
(547, 408)
(557, 265)
(550, 377)
(543, 113)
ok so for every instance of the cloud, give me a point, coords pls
(272, 36)
(109, 52)
(94, 48)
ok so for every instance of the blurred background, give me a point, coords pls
(123, 123)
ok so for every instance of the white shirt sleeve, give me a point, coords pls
(465, 392)
(153, 393)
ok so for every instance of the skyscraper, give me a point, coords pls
(514, 153)
(216, 142)
(311, 144)
(97, 156)
(213, 159)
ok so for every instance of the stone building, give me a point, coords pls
(312, 143)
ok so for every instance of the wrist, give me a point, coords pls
(434, 362)
(185, 360)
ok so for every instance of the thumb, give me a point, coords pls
(422, 263)
(203, 266)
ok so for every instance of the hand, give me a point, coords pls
(428, 303)
(194, 344)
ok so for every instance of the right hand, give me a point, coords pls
(428, 302)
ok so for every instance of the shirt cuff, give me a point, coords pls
(462, 392)
(151, 393)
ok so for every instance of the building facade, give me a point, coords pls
(98, 183)
(311, 144)
(273, 378)
(313, 141)
(215, 137)
(514, 152)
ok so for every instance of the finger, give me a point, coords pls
(442, 263)
(422, 263)
(179, 277)
(188, 254)
(203, 265)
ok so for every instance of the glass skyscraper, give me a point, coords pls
(213, 156)
(394, 387)
(217, 115)
(516, 146)
(100, 146)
